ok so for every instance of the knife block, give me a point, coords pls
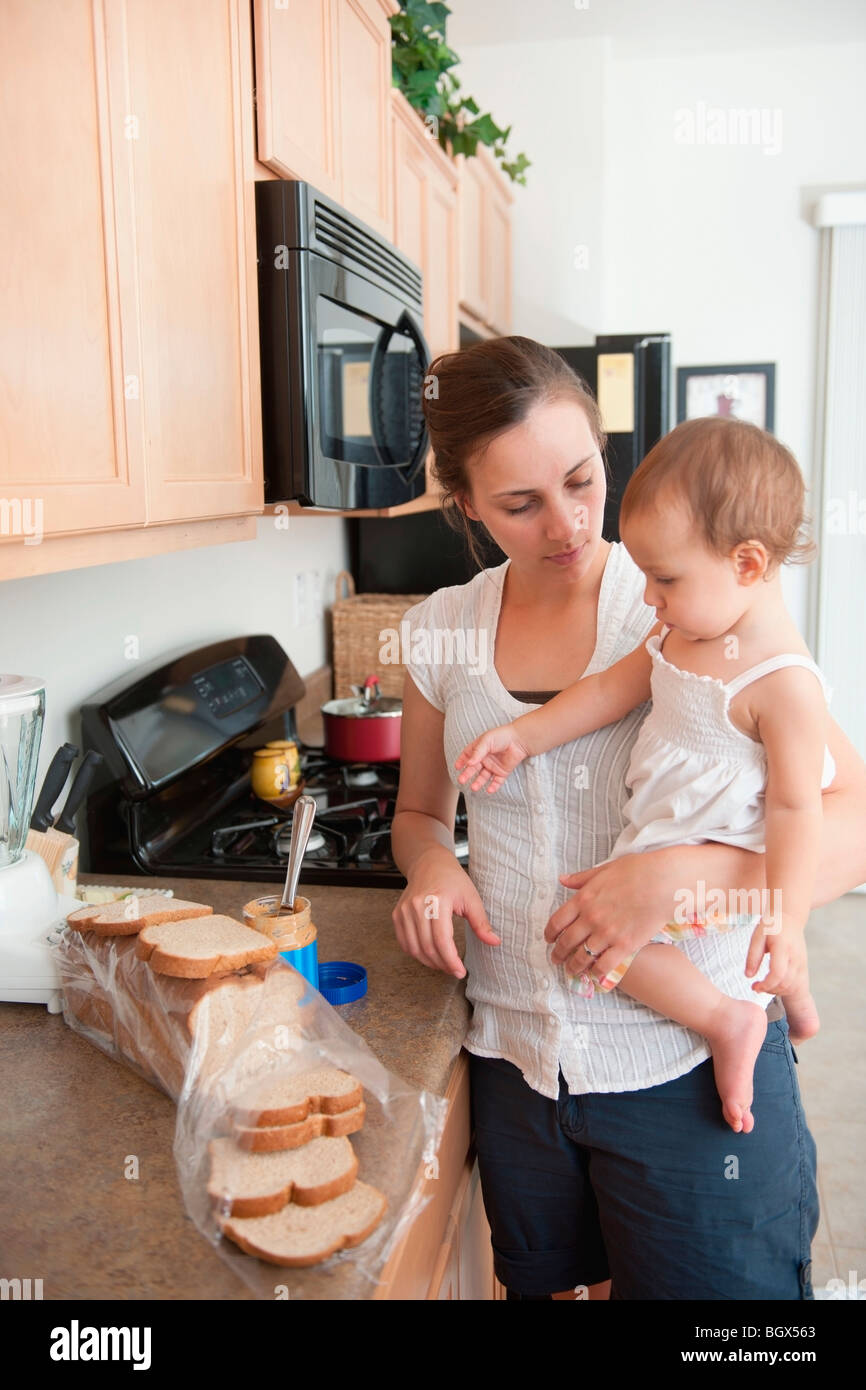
(60, 853)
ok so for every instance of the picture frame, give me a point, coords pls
(748, 388)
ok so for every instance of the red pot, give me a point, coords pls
(365, 728)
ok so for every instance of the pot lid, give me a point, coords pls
(386, 707)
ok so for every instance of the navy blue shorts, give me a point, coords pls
(650, 1188)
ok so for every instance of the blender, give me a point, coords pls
(29, 906)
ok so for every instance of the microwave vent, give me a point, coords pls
(372, 256)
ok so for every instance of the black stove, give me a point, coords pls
(351, 836)
(175, 800)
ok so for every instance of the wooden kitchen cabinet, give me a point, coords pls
(473, 275)
(323, 77)
(72, 438)
(425, 220)
(446, 1253)
(295, 55)
(196, 257)
(485, 243)
(131, 330)
(425, 229)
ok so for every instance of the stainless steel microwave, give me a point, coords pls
(343, 356)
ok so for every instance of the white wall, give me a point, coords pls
(708, 242)
(73, 628)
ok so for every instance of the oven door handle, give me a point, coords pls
(407, 327)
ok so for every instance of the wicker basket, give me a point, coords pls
(358, 621)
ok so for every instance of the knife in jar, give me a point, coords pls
(55, 780)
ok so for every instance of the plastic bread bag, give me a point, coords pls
(290, 1030)
(147, 1021)
(206, 1043)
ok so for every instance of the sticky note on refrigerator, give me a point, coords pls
(616, 391)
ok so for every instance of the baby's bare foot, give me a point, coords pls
(736, 1032)
(803, 1020)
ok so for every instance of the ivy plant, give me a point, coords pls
(422, 67)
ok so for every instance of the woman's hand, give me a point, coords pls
(436, 888)
(618, 907)
(491, 757)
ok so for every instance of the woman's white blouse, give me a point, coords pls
(557, 813)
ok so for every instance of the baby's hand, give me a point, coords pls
(491, 757)
(789, 966)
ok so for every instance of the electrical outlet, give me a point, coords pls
(316, 606)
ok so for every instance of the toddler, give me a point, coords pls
(733, 748)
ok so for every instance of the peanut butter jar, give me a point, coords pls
(293, 930)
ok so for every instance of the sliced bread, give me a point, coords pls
(286, 1100)
(192, 950)
(129, 915)
(256, 1184)
(271, 1138)
(298, 1236)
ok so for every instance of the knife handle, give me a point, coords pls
(78, 791)
(55, 779)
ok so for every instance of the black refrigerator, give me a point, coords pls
(630, 376)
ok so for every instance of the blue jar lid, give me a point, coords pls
(341, 981)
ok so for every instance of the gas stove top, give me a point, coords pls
(350, 841)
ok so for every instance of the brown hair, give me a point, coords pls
(473, 395)
(738, 482)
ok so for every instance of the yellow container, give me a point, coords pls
(275, 771)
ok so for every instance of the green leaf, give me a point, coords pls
(426, 16)
(471, 105)
(422, 83)
(442, 13)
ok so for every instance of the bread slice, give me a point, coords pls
(271, 1138)
(257, 1184)
(129, 915)
(287, 1100)
(192, 950)
(298, 1236)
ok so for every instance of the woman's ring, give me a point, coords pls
(594, 954)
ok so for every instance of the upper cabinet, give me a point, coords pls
(130, 342)
(485, 243)
(195, 230)
(425, 229)
(72, 435)
(425, 220)
(323, 76)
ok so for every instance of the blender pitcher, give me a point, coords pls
(28, 899)
(22, 709)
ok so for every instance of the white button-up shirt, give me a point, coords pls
(557, 813)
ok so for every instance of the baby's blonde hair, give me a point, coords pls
(739, 483)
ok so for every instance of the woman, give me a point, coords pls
(601, 1148)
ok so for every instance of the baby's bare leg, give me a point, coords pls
(666, 980)
(802, 1014)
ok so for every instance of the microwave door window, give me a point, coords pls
(345, 343)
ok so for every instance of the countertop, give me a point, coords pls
(68, 1215)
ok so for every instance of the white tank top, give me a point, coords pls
(693, 775)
